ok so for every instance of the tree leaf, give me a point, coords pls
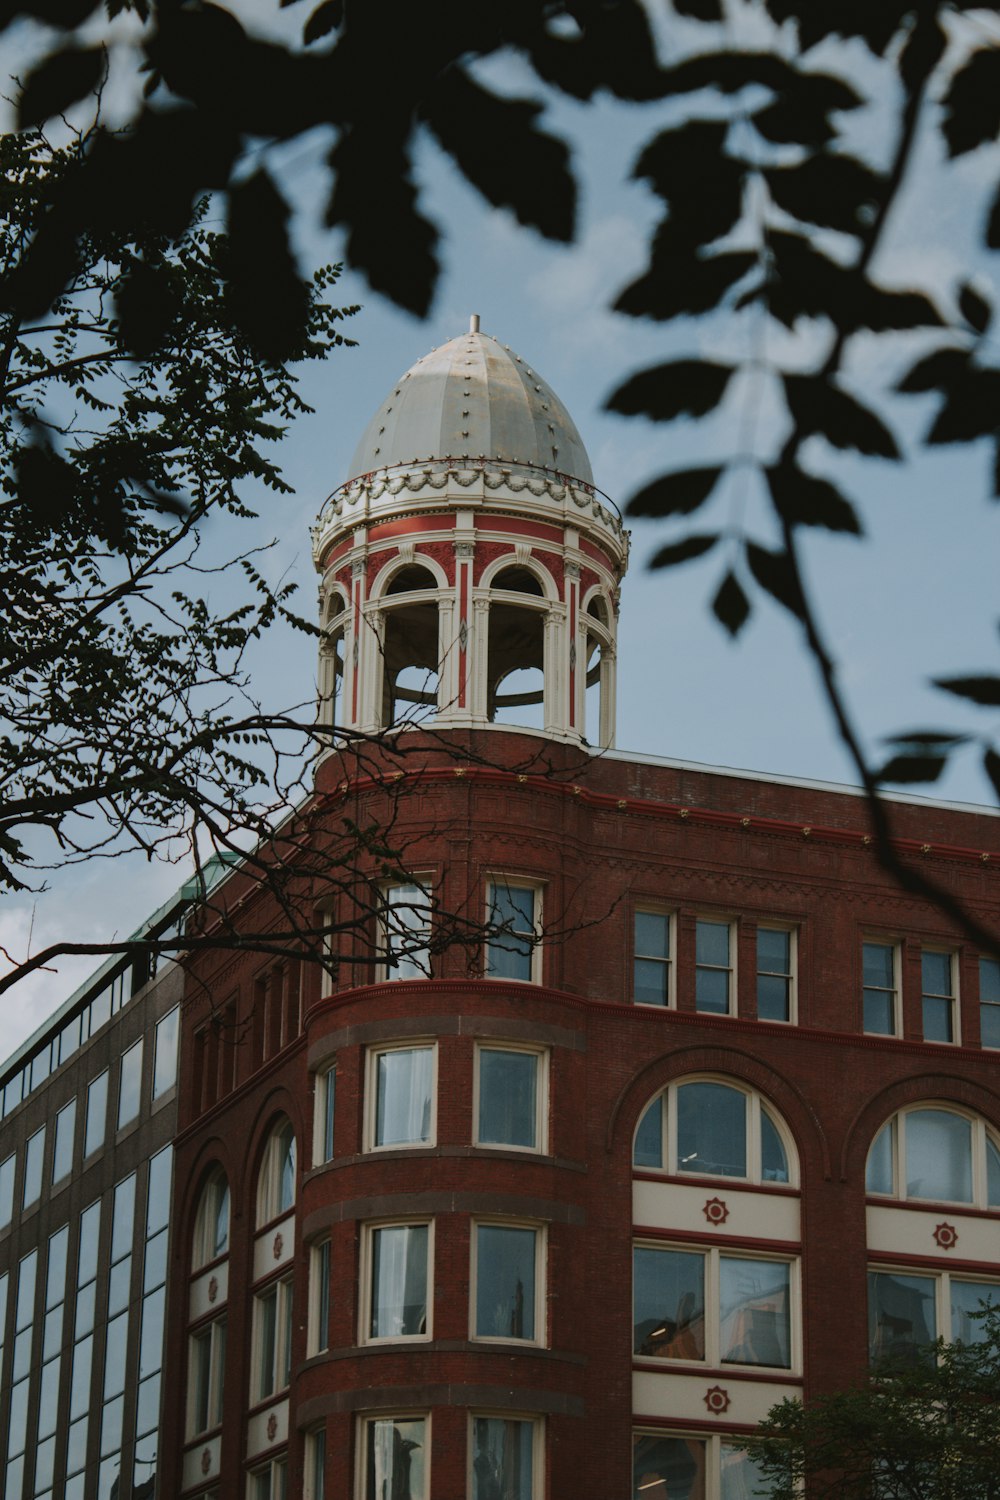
(984, 690)
(993, 224)
(269, 297)
(680, 284)
(935, 371)
(976, 311)
(911, 768)
(324, 19)
(700, 10)
(59, 82)
(806, 500)
(65, 14)
(924, 738)
(731, 605)
(827, 188)
(818, 406)
(495, 143)
(686, 387)
(922, 50)
(970, 408)
(679, 552)
(775, 572)
(991, 765)
(972, 102)
(674, 494)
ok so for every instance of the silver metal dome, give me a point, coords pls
(472, 398)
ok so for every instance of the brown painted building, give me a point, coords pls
(708, 1118)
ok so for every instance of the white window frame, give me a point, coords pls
(419, 960)
(203, 1251)
(315, 1449)
(365, 1420)
(651, 909)
(282, 1291)
(954, 1008)
(897, 1125)
(537, 1446)
(754, 1136)
(792, 975)
(319, 1331)
(274, 1468)
(368, 1233)
(325, 1081)
(897, 995)
(714, 1443)
(713, 1256)
(540, 1338)
(215, 1332)
(541, 1055)
(416, 1044)
(942, 1279)
(512, 882)
(269, 1177)
(717, 920)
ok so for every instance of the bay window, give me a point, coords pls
(507, 1280)
(401, 1096)
(505, 1458)
(406, 929)
(511, 1104)
(513, 911)
(394, 1457)
(398, 1265)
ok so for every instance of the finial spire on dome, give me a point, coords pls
(474, 323)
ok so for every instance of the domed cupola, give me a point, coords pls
(470, 567)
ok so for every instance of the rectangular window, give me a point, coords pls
(62, 1152)
(273, 1334)
(97, 1114)
(316, 1464)
(34, 1155)
(713, 978)
(401, 1096)
(775, 980)
(906, 1313)
(326, 1099)
(511, 1107)
(507, 1280)
(505, 1455)
(705, 1305)
(206, 1377)
(129, 1084)
(399, 1262)
(989, 1002)
(7, 1190)
(693, 1468)
(406, 930)
(319, 1298)
(165, 1052)
(651, 971)
(880, 992)
(513, 912)
(269, 1483)
(937, 983)
(395, 1457)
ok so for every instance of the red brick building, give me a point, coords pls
(709, 1117)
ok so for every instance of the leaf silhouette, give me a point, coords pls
(806, 500)
(731, 606)
(674, 494)
(686, 387)
(822, 408)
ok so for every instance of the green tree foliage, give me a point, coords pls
(123, 694)
(923, 1431)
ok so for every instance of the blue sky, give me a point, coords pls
(917, 598)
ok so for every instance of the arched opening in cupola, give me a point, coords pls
(595, 726)
(331, 658)
(515, 687)
(410, 648)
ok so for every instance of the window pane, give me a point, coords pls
(989, 980)
(7, 1190)
(969, 1298)
(901, 1317)
(404, 1092)
(667, 1468)
(989, 1025)
(114, 1355)
(508, 1084)
(80, 1391)
(754, 1316)
(773, 950)
(652, 934)
(165, 1053)
(712, 991)
(652, 949)
(505, 1282)
(97, 1113)
(62, 1155)
(158, 1198)
(773, 997)
(407, 920)
(648, 1149)
(124, 1216)
(396, 1459)
(286, 1169)
(992, 1175)
(650, 982)
(938, 1019)
(712, 943)
(328, 1100)
(711, 1130)
(90, 1228)
(151, 1339)
(938, 1156)
(509, 955)
(878, 1177)
(935, 969)
(668, 1303)
(129, 1081)
(399, 1281)
(502, 1459)
(879, 1013)
(877, 965)
(33, 1157)
(774, 1162)
(55, 1274)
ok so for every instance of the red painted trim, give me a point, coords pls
(710, 1372)
(888, 1261)
(596, 553)
(572, 587)
(463, 618)
(519, 528)
(337, 552)
(709, 1238)
(957, 1210)
(356, 651)
(692, 1429)
(445, 521)
(721, 1184)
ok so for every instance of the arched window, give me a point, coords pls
(934, 1154)
(276, 1184)
(515, 688)
(410, 649)
(211, 1225)
(707, 1128)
